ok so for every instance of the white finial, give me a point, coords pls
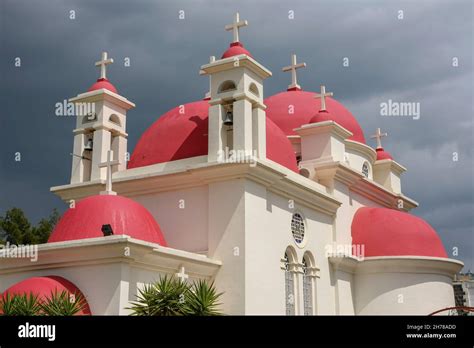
(103, 64)
(235, 27)
(181, 275)
(323, 96)
(109, 163)
(378, 135)
(292, 68)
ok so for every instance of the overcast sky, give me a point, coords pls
(405, 60)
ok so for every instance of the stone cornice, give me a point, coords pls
(391, 164)
(113, 249)
(103, 94)
(273, 176)
(396, 264)
(362, 148)
(324, 127)
(243, 60)
(358, 183)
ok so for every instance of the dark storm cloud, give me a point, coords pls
(405, 60)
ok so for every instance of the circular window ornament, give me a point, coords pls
(365, 169)
(298, 229)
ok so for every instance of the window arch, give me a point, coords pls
(308, 270)
(226, 86)
(115, 119)
(289, 262)
(254, 89)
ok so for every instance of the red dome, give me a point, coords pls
(103, 83)
(382, 154)
(305, 106)
(124, 215)
(235, 49)
(43, 287)
(178, 135)
(389, 232)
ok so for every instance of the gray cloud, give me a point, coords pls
(402, 60)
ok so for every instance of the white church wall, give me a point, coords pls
(226, 216)
(402, 293)
(268, 234)
(182, 216)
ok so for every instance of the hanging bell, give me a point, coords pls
(228, 121)
(88, 146)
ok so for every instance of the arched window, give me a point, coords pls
(307, 287)
(114, 119)
(365, 169)
(226, 86)
(290, 293)
(254, 89)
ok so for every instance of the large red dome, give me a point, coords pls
(292, 109)
(389, 232)
(124, 215)
(182, 133)
(44, 287)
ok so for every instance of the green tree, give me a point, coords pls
(172, 297)
(15, 227)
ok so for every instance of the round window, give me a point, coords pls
(297, 228)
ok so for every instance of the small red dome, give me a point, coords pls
(235, 49)
(382, 154)
(294, 108)
(103, 83)
(389, 232)
(124, 215)
(43, 287)
(182, 133)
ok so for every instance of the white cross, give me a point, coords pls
(103, 64)
(235, 26)
(109, 163)
(181, 275)
(323, 96)
(292, 68)
(378, 135)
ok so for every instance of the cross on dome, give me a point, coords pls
(292, 68)
(103, 65)
(108, 164)
(235, 27)
(323, 96)
(378, 135)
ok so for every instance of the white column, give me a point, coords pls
(216, 134)
(259, 132)
(243, 126)
(101, 140)
(77, 170)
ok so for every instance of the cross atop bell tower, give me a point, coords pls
(235, 27)
(378, 136)
(103, 65)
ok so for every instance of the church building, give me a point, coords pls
(279, 200)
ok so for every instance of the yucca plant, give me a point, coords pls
(172, 297)
(21, 304)
(203, 299)
(166, 297)
(62, 304)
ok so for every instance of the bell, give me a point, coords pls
(88, 146)
(229, 119)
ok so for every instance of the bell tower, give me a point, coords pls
(237, 122)
(100, 127)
